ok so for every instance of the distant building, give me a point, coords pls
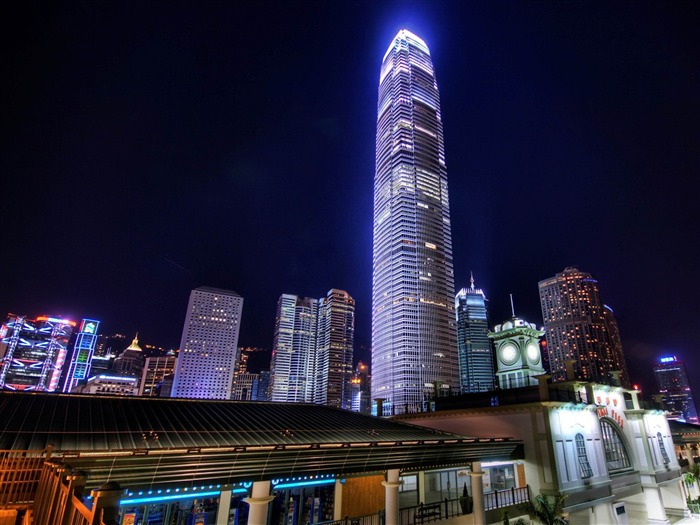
(130, 361)
(474, 349)
(34, 352)
(674, 390)
(107, 384)
(209, 345)
(313, 349)
(83, 351)
(579, 326)
(262, 392)
(155, 369)
(245, 387)
(361, 389)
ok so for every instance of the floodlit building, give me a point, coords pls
(414, 349)
(109, 384)
(579, 326)
(209, 345)
(83, 351)
(313, 350)
(34, 352)
(474, 349)
(673, 389)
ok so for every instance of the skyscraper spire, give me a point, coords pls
(472, 280)
(414, 355)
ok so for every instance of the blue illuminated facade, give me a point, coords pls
(83, 351)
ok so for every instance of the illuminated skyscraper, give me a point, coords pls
(34, 352)
(414, 349)
(313, 350)
(674, 389)
(579, 326)
(209, 345)
(83, 351)
(476, 373)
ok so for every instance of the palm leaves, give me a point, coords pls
(548, 511)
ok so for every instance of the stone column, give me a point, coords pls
(391, 486)
(655, 507)
(477, 476)
(259, 502)
(338, 501)
(224, 507)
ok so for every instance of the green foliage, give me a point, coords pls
(506, 521)
(548, 511)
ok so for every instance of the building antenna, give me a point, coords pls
(512, 308)
(472, 279)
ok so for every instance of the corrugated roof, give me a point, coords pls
(137, 440)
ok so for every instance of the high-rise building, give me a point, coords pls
(313, 349)
(414, 349)
(578, 326)
(34, 352)
(336, 336)
(674, 389)
(83, 351)
(476, 373)
(209, 345)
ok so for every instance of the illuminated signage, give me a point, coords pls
(667, 359)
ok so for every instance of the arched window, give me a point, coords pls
(664, 454)
(616, 457)
(583, 464)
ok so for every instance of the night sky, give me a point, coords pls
(152, 147)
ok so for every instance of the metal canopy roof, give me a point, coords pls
(158, 441)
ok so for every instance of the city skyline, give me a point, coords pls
(141, 144)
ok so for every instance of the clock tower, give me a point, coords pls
(518, 356)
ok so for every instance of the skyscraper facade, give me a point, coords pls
(674, 389)
(209, 345)
(33, 353)
(313, 349)
(476, 373)
(580, 327)
(83, 351)
(414, 351)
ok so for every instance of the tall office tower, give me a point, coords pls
(578, 326)
(674, 389)
(155, 369)
(209, 345)
(261, 391)
(336, 336)
(474, 350)
(294, 350)
(35, 350)
(414, 348)
(312, 349)
(83, 351)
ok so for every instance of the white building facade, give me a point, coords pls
(209, 345)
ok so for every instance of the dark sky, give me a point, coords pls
(152, 147)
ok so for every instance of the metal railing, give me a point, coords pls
(20, 471)
(369, 519)
(505, 498)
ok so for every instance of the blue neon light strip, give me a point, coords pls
(303, 483)
(172, 497)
